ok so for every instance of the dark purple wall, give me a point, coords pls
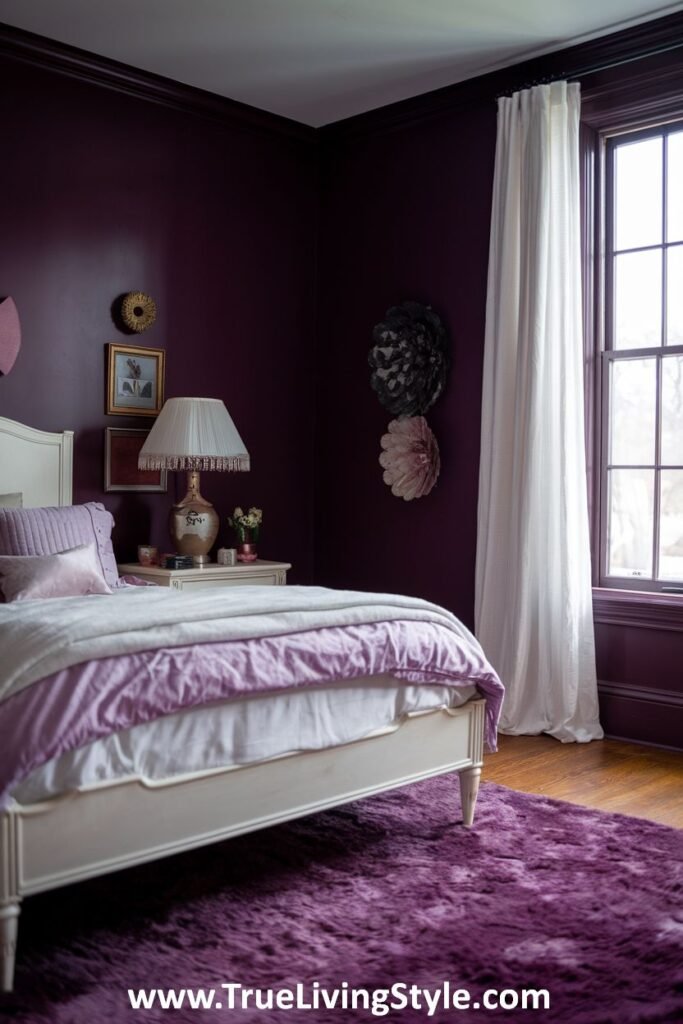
(405, 215)
(641, 686)
(406, 203)
(101, 194)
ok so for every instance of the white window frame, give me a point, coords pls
(609, 355)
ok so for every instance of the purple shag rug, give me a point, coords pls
(539, 894)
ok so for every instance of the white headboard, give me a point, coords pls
(36, 463)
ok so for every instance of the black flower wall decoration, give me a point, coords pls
(409, 359)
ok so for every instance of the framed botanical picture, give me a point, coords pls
(135, 380)
(121, 449)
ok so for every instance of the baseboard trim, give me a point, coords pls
(637, 714)
(654, 696)
(643, 743)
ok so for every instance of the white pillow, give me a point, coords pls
(66, 574)
(12, 500)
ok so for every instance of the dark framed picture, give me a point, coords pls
(135, 380)
(121, 449)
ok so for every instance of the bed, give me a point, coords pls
(55, 831)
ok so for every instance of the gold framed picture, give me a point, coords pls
(121, 449)
(135, 380)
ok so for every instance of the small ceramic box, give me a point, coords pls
(226, 556)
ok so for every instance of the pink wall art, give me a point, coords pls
(10, 335)
(410, 457)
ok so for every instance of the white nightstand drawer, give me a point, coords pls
(259, 573)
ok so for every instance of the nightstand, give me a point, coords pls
(259, 573)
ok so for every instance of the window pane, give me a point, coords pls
(675, 188)
(638, 299)
(674, 295)
(630, 531)
(672, 410)
(671, 525)
(638, 206)
(632, 413)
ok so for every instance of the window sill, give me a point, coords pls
(639, 608)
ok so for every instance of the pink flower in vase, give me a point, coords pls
(247, 526)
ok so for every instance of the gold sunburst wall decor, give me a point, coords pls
(138, 311)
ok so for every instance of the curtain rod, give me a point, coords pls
(592, 69)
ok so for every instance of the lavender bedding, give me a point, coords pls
(239, 732)
(56, 696)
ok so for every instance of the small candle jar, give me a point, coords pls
(147, 555)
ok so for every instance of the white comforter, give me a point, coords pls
(39, 638)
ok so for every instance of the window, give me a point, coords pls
(641, 487)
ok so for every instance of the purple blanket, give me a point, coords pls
(77, 705)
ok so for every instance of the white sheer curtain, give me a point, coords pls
(533, 581)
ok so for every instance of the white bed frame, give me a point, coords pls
(102, 829)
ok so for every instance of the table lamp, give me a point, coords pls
(194, 434)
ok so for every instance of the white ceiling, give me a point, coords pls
(321, 60)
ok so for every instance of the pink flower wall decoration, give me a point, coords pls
(410, 458)
(10, 335)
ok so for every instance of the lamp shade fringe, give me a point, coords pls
(230, 463)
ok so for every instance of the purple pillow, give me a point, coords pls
(47, 531)
(67, 574)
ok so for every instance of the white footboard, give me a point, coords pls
(43, 846)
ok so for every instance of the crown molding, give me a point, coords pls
(50, 55)
(653, 39)
(652, 92)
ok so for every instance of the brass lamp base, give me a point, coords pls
(193, 523)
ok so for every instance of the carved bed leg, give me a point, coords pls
(9, 897)
(9, 926)
(469, 787)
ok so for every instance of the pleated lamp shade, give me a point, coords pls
(194, 434)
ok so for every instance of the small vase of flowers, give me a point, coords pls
(247, 526)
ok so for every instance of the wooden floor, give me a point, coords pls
(607, 774)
